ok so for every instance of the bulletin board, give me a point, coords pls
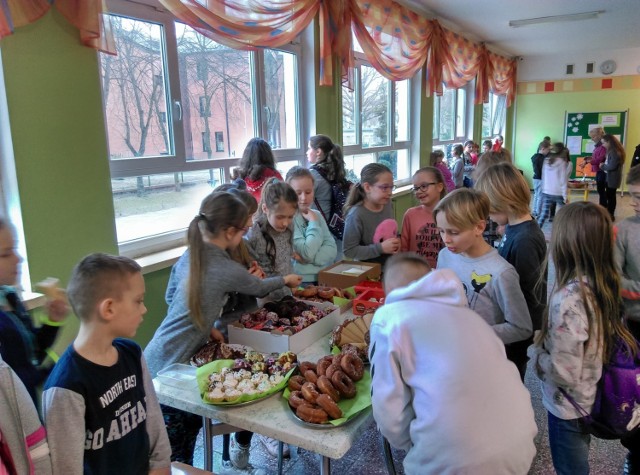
(576, 135)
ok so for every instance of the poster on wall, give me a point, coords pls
(577, 140)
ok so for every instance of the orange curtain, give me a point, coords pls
(86, 15)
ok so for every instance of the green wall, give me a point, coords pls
(538, 115)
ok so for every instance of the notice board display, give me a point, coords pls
(577, 140)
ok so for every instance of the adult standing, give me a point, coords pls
(612, 167)
(598, 156)
(328, 169)
(257, 165)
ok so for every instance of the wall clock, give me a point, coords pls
(608, 66)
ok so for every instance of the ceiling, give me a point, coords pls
(488, 20)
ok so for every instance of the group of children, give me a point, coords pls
(442, 386)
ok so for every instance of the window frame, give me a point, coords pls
(495, 97)
(468, 117)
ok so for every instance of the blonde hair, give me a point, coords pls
(488, 159)
(506, 188)
(581, 247)
(464, 207)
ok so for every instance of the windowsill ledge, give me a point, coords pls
(32, 300)
(160, 260)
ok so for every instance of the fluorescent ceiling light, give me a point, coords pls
(555, 19)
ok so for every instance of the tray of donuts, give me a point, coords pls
(330, 392)
(320, 294)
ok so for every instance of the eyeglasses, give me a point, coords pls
(385, 188)
(423, 186)
(244, 230)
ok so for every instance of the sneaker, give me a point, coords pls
(271, 446)
(228, 468)
(239, 454)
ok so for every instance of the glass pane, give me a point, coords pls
(374, 108)
(447, 115)
(215, 83)
(280, 73)
(402, 110)
(284, 167)
(355, 163)
(461, 118)
(436, 117)
(397, 161)
(150, 205)
(134, 91)
(499, 115)
(349, 125)
(486, 119)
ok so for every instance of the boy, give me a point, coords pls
(442, 388)
(100, 408)
(627, 254)
(537, 160)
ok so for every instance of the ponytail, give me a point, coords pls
(332, 163)
(370, 174)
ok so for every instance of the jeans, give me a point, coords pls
(569, 444)
(537, 197)
(546, 209)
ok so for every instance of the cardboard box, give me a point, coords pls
(277, 342)
(367, 285)
(362, 304)
(345, 274)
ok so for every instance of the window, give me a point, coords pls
(170, 87)
(450, 118)
(376, 122)
(494, 116)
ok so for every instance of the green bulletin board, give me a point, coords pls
(576, 134)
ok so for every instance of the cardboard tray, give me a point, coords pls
(361, 303)
(345, 274)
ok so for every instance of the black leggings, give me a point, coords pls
(611, 201)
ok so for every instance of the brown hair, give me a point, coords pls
(332, 163)
(433, 158)
(437, 175)
(486, 160)
(633, 176)
(298, 172)
(616, 145)
(98, 277)
(506, 188)
(256, 157)
(370, 174)
(464, 207)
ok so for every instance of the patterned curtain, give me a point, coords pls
(86, 15)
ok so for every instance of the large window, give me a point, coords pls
(376, 123)
(179, 110)
(451, 116)
(494, 116)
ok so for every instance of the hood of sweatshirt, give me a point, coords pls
(439, 285)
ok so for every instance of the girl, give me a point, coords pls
(368, 204)
(580, 325)
(555, 173)
(22, 346)
(257, 165)
(270, 239)
(457, 169)
(437, 161)
(198, 287)
(537, 161)
(612, 166)
(419, 231)
(523, 244)
(313, 244)
(490, 282)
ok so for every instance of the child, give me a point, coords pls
(22, 346)
(468, 164)
(490, 282)
(257, 165)
(419, 231)
(198, 286)
(627, 255)
(612, 166)
(582, 322)
(313, 244)
(23, 440)
(368, 205)
(270, 239)
(523, 244)
(99, 405)
(536, 162)
(457, 168)
(442, 388)
(437, 161)
(555, 172)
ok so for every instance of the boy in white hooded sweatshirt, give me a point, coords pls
(443, 389)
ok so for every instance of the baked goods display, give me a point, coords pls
(287, 315)
(253, 375)
(318, 293)
(214, 350)
(315, 394)
(353, 336)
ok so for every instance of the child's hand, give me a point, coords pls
(297, 257)
(292, 280)
(216, 335)
(256, 270)
(391, 246)
(57, 309)
(160, 471)
(309, 215)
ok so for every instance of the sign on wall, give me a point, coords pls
(576, 135)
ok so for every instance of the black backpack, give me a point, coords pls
(636, 157)
(339, 193)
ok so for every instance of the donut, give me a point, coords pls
(332, 369)
(312, 414)
(311, 376)
(329, 406)
(296, 399)
(323, 364)
(326, 293)
(352, 366)
(337, 358)
(343, 384)
(306, 365)
(310, 291)
(310, 392)
(296, 382)
(325, 387)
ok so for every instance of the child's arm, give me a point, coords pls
(405, 233)
(159, 447)
(353, 230)
(315, 246)
(625, 242)
(63, 412)
(517, 324)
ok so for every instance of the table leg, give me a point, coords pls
(208, 444)
(280, 451)
(325, 465)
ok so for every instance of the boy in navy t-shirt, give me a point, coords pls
(100, 408)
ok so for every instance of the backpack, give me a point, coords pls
(616, 410)
(339, 192)
(636, 157)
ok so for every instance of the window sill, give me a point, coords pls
(403, 191)
(32, 300)
(160, 260)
